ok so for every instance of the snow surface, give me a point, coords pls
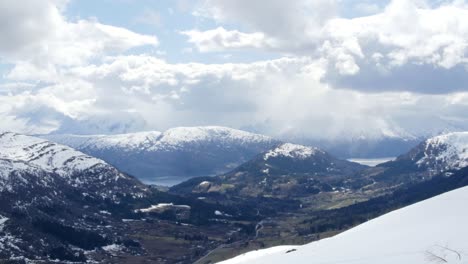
(23, 156)
(155, 141)
(180, 135)
(2, 222)
(24, 152)
(291, 151)
(113, 248)
(162, 206)
(453, 150)
(432, 231)
(128, 142)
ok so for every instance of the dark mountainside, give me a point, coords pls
(182, 152)
(58, 203)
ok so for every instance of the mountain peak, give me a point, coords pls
(449, 151)
(178, 152)
(179, 135)
(46, 155)
(291, 151)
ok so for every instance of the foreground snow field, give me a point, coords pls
(432, 231)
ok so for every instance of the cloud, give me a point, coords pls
(22, 25)
(406, 47)
(39, 35)
(277, 97)
(220, 39)
(40, 46)
(295, 20)
(397, 73)
(374, 53)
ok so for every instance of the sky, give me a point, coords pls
(309, 68)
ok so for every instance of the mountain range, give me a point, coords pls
(57, 203)
(181, 153)
(50, 195)
(176, 154)
(324, 187)
(290, 170)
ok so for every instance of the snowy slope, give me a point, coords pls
(29, 162)
(46, 155)
(449, 151)
(432, 231)
(57, 188)
(291, 151)
(184, 135)
(124, 142)
(433, 156)
(286, 170)
(156, 141)
(179, 152)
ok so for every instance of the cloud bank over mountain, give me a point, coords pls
(303, 68)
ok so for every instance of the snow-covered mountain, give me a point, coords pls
(284, 170)
(293, 158)
(59, 205)
(20, 154)
(292, 151)
(179, 152)
(446, 152)
(432, 231)
(434, 155)
(48, 193)
(290, 158)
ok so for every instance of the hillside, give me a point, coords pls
(51, 196)
(286, 170)
(60, 205)
(174, 155)
(431, 157)
(46, 162)
(427, 232)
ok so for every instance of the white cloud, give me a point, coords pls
(41, 45)
(220, 39)
(74, 78)
(295, 20)
(364, 53)
(284, 96)
(37, 34)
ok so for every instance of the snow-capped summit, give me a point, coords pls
(59, 189)
(181, 152)
(426, 232)
(161, 141)
(124, 142)
(445, 152)
(48, 156)
(183, 135)
(291, 151)
(276, 172)
(44, 164)
(435, 155)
